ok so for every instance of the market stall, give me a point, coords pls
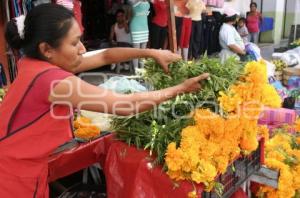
(74, 156)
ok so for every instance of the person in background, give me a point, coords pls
(36, 113)
(120, 36)
(242, 29)
(230, 40)
(252, 21)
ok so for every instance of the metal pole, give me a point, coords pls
(295, 20)
(284, 20)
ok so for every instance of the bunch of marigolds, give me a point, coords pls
(283, 154)
(84, 129)
(216, 139)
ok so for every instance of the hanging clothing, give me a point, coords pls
(196, 7)
(158, 27)
(211, 25)
(139, 22)
(161, 13)
(78, 14)
(214, 3)
(185, 32)
(178, 26)
(38, 2)
(24, 152)
(180, 8)
(95, 21)
(66, 3)
(158, 36)
(196, 39)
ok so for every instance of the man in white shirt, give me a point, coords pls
(230, 40)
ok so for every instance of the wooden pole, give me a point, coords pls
(171, 26)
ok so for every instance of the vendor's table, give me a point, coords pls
(130, 173)
(79, 156)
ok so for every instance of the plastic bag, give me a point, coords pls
(253, 50)
(123, 85)
(290, 57)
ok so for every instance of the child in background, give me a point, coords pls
(242, 29)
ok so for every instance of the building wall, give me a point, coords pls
(291, 16)
(241, 6)
(282, 20)
(275, 10)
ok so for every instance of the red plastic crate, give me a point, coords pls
(238, 172)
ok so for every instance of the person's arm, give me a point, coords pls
(81, 95)
(115, 55)
(112, 33)
(236, 49)
(126, 26)
(244, 32)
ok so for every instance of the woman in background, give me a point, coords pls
(253, 21)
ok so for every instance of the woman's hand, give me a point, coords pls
(193, 84)
(164, 58)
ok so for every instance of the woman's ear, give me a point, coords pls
(46, 50)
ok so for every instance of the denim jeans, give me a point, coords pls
(253, 37)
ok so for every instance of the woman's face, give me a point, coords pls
(253, 8)
(69, 54)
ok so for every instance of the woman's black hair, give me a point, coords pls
(242, 19)
(48, 23)
(253, 4)
(230, 19)
(120, 11)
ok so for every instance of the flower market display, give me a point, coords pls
(282, 153)
(192, 147)
(295, 43)
(279, 65)
(157, 128)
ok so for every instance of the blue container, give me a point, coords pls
(267, 24)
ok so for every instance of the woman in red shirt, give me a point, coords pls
(253, 20)
(36, 113)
